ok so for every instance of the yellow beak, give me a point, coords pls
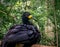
(30, 16)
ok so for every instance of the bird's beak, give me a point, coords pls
(30, 16)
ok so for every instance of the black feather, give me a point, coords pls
(25, 33)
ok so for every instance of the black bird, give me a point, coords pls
(26, 33)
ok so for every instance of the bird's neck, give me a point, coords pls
(27, 22)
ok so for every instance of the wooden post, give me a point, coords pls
(19, 45)
(55, 23)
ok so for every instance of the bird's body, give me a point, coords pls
(25, 33)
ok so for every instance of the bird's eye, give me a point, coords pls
(30, 16)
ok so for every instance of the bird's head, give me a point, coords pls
(26, 17)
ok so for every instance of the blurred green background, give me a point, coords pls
(46, 13)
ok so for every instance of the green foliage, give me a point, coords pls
(57, 5)
(11, 11)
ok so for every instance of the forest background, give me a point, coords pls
(46, 13)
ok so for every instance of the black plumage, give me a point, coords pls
(26, 33)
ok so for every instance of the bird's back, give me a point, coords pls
(25, 34)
